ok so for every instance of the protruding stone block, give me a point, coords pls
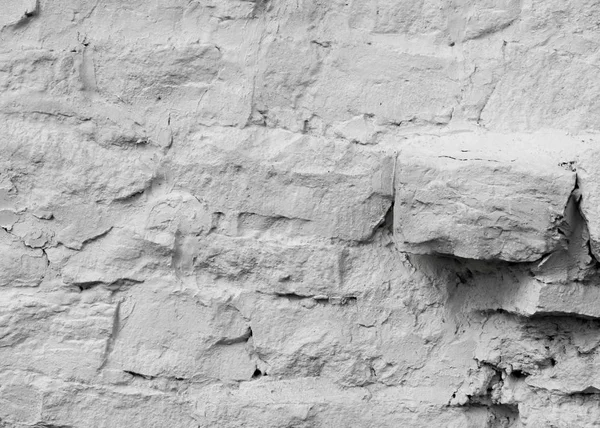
(530, 297)
(480, 199)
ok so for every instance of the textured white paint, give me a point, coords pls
(278, 213)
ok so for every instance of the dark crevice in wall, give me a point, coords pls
(125, 141)
(139, 375)
(48, 425)
(82, 286)
(110, 343)
(146, 377)
(333, 300)
(131, 197)
(258, 374)
(385, 226)
(388, 220)
(156, 182)
(292, 296)
(122, 283)
(233, 340)
(587, 392)
(118, 284)
(89, 240)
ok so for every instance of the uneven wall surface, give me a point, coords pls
(299, 213)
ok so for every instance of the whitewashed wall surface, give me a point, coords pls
(299, 213)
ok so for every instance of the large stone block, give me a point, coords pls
(50, 159)
(60, 334)
(119, 257)
(314, 187)
(480, 197)
(169, 334)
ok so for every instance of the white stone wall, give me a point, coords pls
(299, 213)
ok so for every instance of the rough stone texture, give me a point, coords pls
(481, 197)
(277, 213)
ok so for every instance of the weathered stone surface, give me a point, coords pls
(75, 405)
(62, 334)
(20, 266)
(473, 200)
(158, 333)
(315, 402)
(48, 163)
(17, 12)
(305, 185)
(299, 213)
(557, 359)
(271, 267)
(531, 297)
(564, 282)
(121, 256)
